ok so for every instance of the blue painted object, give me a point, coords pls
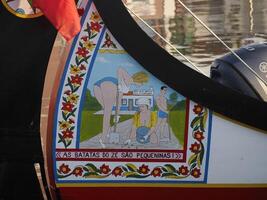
(20, 11)
(140, 133)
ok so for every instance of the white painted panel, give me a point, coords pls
(237, 154)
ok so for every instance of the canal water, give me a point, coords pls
(236, 22)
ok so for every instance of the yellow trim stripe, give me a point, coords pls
(113, 51)
(18, 14)
(162, 185)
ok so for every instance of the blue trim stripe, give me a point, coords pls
(208, 147)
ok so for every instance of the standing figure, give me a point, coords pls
(161, 101)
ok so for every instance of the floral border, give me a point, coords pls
(191, 168)
(75, 79)
(108, 43)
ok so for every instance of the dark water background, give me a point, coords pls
(236, 22)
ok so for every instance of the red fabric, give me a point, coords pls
(62, 14)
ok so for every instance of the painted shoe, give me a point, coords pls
(102, 143)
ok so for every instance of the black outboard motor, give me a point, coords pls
(230, 71)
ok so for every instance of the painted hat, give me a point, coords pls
(143, 101)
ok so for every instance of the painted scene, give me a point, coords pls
(125, 107)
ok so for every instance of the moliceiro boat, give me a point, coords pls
(129, 117)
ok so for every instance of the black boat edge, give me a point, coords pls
(177, 75)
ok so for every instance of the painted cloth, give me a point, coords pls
(106, 79)
(162, 114)
(152, 122)
(62, 14)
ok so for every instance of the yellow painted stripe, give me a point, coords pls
(162, 185)
(112, 51)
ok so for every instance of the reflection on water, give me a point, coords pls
(236, 22)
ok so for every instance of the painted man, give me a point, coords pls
(161, 101)
(144, 124)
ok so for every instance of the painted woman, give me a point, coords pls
(109, 91)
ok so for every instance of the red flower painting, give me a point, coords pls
(195, 147)
(76, 79)
(95, 26)
(67, 107)
(196, 173)
(117, 171)
(78, 171)
(198, 135)
(82, 51)
(183, 170)
(197, 109)
(108, 42)
(105, 169)
(143, 169)
(64, 169)
(156, 172)
(67, 134)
